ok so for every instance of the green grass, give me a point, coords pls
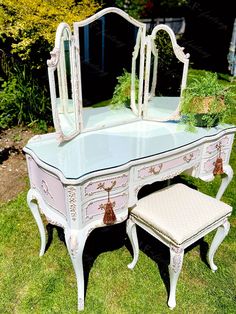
(30, 284)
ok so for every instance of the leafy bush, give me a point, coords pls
(30, 25)
(134, 8)
(23, 101)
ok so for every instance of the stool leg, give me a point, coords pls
(176, 261)
(221, 233)
(132, 234)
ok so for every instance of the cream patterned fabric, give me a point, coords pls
(178, 213)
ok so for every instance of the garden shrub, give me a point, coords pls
(23, 101)
(27, 34)
(31, 25)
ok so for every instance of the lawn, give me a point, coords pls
(30, 284)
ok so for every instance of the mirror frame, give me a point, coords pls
(180, 55)
(138, 49)
(53, 65)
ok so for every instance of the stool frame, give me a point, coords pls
(177, 252)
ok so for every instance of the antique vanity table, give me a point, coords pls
(88, 173)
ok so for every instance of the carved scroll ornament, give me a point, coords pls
(177, 258)
(55, 54)
(72, 202)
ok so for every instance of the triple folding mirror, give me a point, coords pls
(110, 54)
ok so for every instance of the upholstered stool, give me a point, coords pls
(178, 216)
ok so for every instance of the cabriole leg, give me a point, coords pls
(132, 234)
(221, 233)
(75, 242)
(225, 181)
(32, 203)
(176, 261)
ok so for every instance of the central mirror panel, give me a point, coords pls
(110, 58)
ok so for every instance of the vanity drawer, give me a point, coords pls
(208, 165)
(94, 210)
(50, 187)
(93, 187)
(163, 166)
(221, 144)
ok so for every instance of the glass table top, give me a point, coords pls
(115, 146)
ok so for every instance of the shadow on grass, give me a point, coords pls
(159, 253)
(100, 240)
(114, 237)
(155, 249)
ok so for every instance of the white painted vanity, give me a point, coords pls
(99, 158)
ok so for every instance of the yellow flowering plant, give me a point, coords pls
(27, 24)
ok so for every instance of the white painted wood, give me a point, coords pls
(136, 51)
(107, 11)
(176, 251)
(132, 234)
(57, 62)
(75, 241)
(221, 233)
(225, 181)
(35, 211)
(176, 261)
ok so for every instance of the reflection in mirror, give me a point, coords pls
(60, 70)
(109, 46)
(166, 75)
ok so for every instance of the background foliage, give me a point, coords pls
(29, 26)
(23, 100)
(27, 33)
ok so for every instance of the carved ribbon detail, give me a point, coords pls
(45, 188)
(108, 189)
(155, 170)
(188, 158)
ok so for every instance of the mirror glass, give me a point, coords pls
(109, 52)
(165, 79)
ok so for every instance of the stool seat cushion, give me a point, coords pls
(178, 213)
